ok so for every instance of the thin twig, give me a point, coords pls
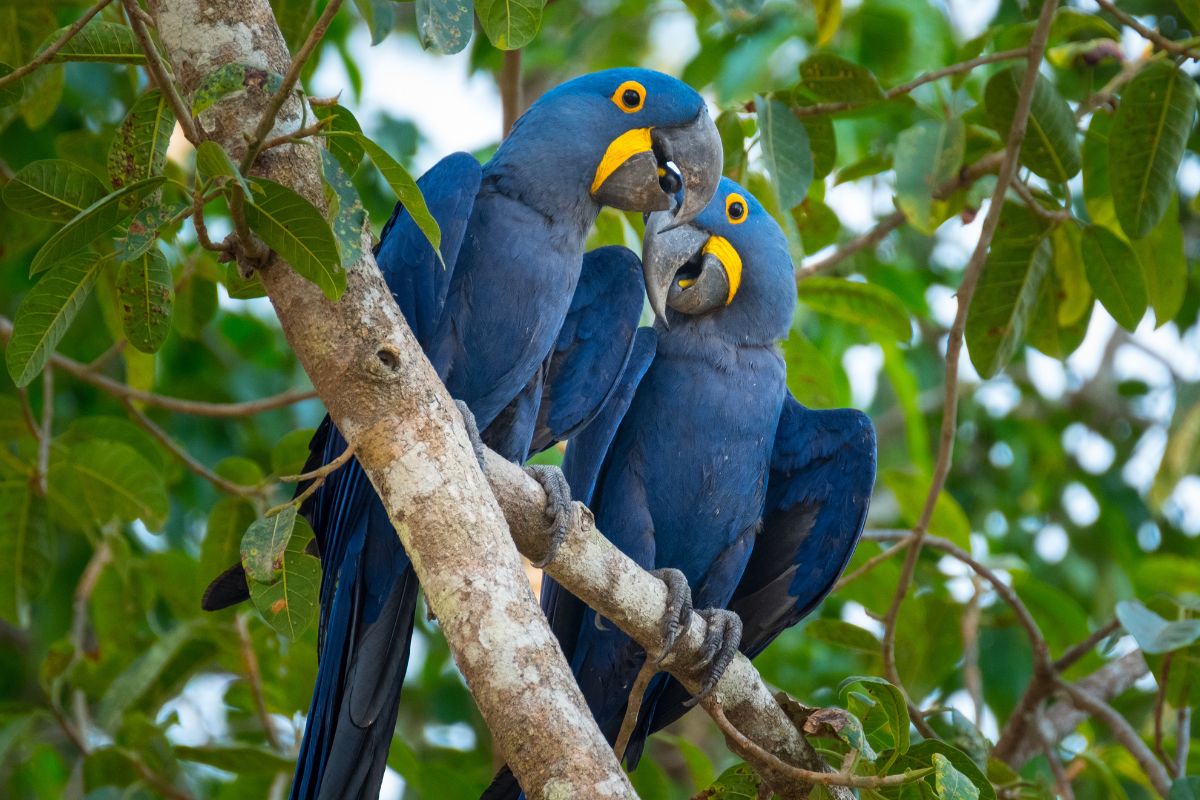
(873, 562)
(44, 57)
(972, 677)
(201, 226)
(1008, 168)
(1026, 194)
(1076, 652)
(1160, 706)
(1183, 739)
(27, 414)
(1122, 731)
(102, 360)
(158, 73)
(46, 431)
(1109, 90)
(254, 678)
(267, 122)
(324, 470)
(634, 706)
(197, 408)
(296, 136)
(1050, 749)
(188, 460)
(510, 89)
(1161, 41)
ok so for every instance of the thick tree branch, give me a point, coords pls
(387, 401)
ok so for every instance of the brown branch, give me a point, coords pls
(1008, 168)
(873, 562)
(296, 136)
(199, 408)
(1122, 731)
(1076, 652)
(1026, 194)
(1160, 705)
(266, 123)
(43, 58)
(254, 679)
(1050, 749)
(45, 433)
(1174, 48)
(510, 89)
(1183, 739)
(972, 677)
(101, 361)
(322, 472)
(158, 74)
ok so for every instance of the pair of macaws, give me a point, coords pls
(686, 444)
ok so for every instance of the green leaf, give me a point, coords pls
(829, 17)
(1186, 788)
(1164, 264)
(904, 383)
(886, 699)
(240, 759)
(114, 480)
(1153, 633)
(865, 304)
(927, 156)
(91, 223)
(1149, 135)
(1051, 148)
(128, 687)
(346, 147)
(817, 223)
(444, 26)
(831, 78)
(739, 782)
(13, 92)
(1075, 298)
(949, 521)
(105, 42)
(139, 148)
(228, 79)
(145, 228)
(1008, 289)
(228, 520)
(380, 16)
(810, 376)
(1097, 196)
(290, 453)
(26, 556)
(53, 189)
(347, 217)
(823, 142)
(843, 634)
(294, 229)
(264, 543)
(510, 24)
(43, 91)
(837, 723)
(195, 306)
(214, 162)
(146, 290)
(786, 151)
(949, 783)
(1115, 275)
(46, 312)
(289, 604)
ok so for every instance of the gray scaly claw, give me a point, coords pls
(679, 608)
(721, 640)
(473, 434)
(560, 508)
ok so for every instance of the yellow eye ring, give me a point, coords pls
(630, 96)
(736, 208)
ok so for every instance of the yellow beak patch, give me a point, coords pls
(621, 149)
(720, 247)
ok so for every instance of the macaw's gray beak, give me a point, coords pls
(681, 269)
(646, 168)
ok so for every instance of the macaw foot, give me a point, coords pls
(473, 434)
(560, 508)
(679, 608)
(721, 641)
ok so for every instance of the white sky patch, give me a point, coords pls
(1086, 360)
(1046, 374)
(998, 396)
(956, 240)
(995, 524)
(862, 363)
(1142, 466)
(455, 736)
(1080, 504)
(1001, 455)
(673, 40)
(1051, 544)
(970, 18)
(199, 709)
(1183, 506)
(855, 204)
(1149, 536)
(856, 614)
(1093, 452)
(943, 304)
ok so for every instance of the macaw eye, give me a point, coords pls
(735, 208)
(630, 96)
(669, 178)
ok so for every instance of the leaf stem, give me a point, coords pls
(158, 73)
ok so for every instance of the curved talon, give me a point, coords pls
(721, 640)
(560, 508)
(473, 433)
(679, 608)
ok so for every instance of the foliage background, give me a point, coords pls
(1075, 469)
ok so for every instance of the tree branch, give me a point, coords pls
(510, 89)
(44, 57)
(159, 75)
(1174, 48)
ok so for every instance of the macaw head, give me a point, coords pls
(729, 267)
(626, 138)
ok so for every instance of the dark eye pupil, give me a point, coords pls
(736, 210)
(631, 98)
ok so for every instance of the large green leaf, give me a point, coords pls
(90, 224)
(146, 291)
(52, 189)
(139, 148)
(128, 687)
(214, 162)
(786, 151)
(880, 706)
(380, 16)
(289, 603)
(345, 146)
(239, 759)
(113, 480)
(25, 551)
(1097, 196)
(444, 25)
(46, 313)
(510, 24)
(102, 41)
(1008, 289)
(1187, 788)
(1115, 275)
(858, 303)
(1051, 148)
(1148, 138)
(1153, 633)
(950, 783)
(1164, 264)
(347, 217)
(810, 375)
(264, 543)
(832, 78)
(927, 155)
(146, 227)
(294, 229)
(227, 521)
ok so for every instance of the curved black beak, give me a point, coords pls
(644, 169)
(681, 268)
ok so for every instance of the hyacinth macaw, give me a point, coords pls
(525, 332)
(702, 461)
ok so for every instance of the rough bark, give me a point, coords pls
(387, 401)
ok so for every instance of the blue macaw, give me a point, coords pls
(528, 334)
(702, 461)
